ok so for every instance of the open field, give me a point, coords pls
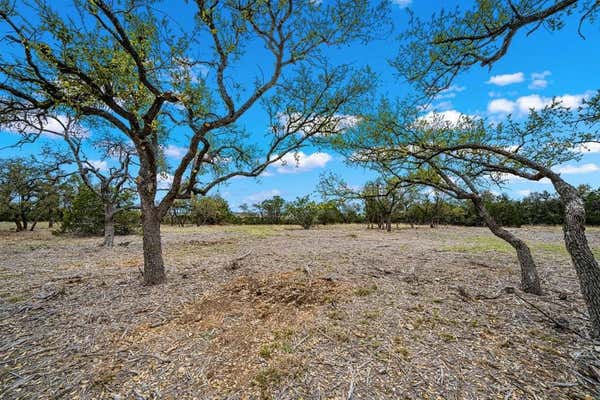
(331, 313)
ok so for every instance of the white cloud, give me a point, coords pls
(538, 84)
(175, 151)
(510, 178)
(443, 118)
(402, 3)
(533, 101)
(444, 105)
(49, 127)
(573, 101)
(588, 147)
(450, 92)
(506, 79)
(100, 165)
(524, 192)
(501, 106)
(315, 125)
(541, 75)
(164, 180)
(524, 104)
(538, 80)
(578, 169)
(260, 196)
(300, 162)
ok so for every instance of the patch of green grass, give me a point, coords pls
(259, 231)
(480, 244)
(447, 337)
(284, 334)
(266, 350)
(372, 315)
(267, 377)
(280, 343)
(555, 248)
(365, 290)
(16, 298)
(400, 347)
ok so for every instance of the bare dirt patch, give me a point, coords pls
(246, 330)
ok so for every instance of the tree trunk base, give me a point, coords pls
(154, 267)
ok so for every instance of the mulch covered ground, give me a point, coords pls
(337, 312)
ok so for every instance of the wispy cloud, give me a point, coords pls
(501, 106)
(300, 162)
(450, 92)
(100, 165)
(589, 147)
(524, 104)
(260, 196)
(506, 79)
(165, 180)
(50, 127)
(443, 118)
(402, 3)
(174, 151)
(538, 80)
(578, 169)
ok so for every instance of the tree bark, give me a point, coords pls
(33, 226)
(154, 267)
(109, 225)
(577, 245)
(530, 281)
(18, 224)
(388, 222)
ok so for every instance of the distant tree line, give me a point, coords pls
(537, 208)
(32, 191)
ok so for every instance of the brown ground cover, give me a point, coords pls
(337, 312)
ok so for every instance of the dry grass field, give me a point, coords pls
(336, 312)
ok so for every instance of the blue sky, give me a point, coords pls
(537, 68)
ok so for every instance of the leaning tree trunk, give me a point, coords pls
(577, 245)
(530, 281)
(109, 225)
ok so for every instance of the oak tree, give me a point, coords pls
(159, 77)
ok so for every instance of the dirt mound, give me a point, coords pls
(265, 296)
(289, 288)
(249, 329)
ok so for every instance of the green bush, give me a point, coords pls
(210, 210)
(303, 211)
(85, 216)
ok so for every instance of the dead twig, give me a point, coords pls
(559, 323)
(351, 388)
(462, 291)
(234, 263)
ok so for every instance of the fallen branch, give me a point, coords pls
(234, 263)
(560, 323)
(462, 291)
